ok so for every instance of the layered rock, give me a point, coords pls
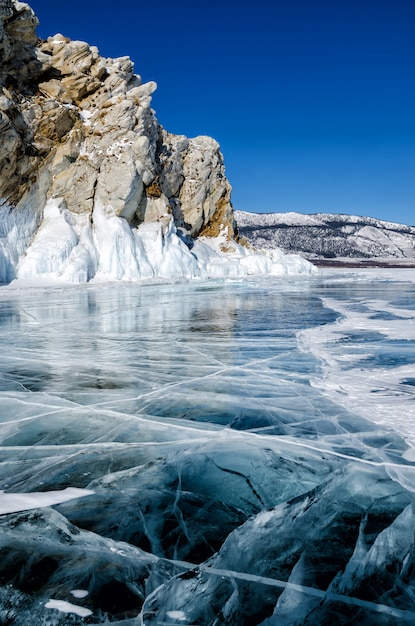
(79, 128)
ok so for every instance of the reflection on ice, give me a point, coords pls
(204, 454)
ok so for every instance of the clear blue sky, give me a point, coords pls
(312, 101)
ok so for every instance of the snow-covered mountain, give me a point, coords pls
(328, 237)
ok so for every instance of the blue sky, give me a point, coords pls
(312, 101)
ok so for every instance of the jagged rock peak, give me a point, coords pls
(79, 128)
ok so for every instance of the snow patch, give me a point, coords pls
(68, 607)
(79, 593)
(75, 248)
(176, 615)
(16, 502)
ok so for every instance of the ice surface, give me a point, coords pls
(377, 337)
(211, 452)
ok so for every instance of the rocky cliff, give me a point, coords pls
(78, 129)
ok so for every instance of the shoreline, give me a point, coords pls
(364, 263)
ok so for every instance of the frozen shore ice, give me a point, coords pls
(70, 248)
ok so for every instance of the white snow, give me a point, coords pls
(79, 593)
(68, 607)
(16, 231)
(16, 502)
(85, 115)
(176, 615)
(71, 248)
(221, 258)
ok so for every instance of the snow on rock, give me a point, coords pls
(221, 257)
(53, 243)
(16, 231)
(72, 248)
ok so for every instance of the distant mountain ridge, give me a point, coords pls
(328, 237)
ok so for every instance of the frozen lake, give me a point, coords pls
(222, 452)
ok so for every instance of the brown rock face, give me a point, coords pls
(76, 126)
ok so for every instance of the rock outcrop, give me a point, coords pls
(92, 187)
(79, 128)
